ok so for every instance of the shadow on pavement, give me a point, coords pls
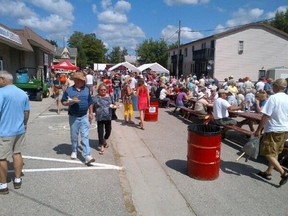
(178, 165)
(236, 168)
(63, 148)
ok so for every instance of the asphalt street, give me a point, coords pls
(143, 172)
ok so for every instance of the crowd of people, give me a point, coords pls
(92, 96)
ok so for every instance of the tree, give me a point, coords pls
(153, 51)
(94, 49)
(117, 55)
(53, 42)
(280, 21)
(90, 49)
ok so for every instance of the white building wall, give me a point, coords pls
(262, 49)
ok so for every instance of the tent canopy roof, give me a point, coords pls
(66, 65)
(125, 64)
(154, 66)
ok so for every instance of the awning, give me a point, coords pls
(155, 67)
(65, 65)
(126, 65)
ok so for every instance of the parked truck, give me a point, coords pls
(32, 81)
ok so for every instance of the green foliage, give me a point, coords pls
(280, 21)
(151, 51)
(117, 55)
(90, 49)
(53, 42)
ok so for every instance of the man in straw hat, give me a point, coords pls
(274, 122)
(79, 100)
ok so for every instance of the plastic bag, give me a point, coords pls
(251, 148)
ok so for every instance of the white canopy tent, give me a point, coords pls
(125, 64)
(155, 67)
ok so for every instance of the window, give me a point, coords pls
(185, 52)
(203, 46)
(1, 65)
(241, 47)
(212, 44)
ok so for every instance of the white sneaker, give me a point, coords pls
(73, 155)
(89, 159)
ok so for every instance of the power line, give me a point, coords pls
(209, 30)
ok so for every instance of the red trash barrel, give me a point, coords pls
(204, 143)
(151, 114)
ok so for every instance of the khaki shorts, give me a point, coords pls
(11, 145)
(272, 143)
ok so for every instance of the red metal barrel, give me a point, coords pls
(151, 114)
(204, 145)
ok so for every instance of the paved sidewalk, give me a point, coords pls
(155, 162)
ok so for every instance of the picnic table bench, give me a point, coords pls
(238, 129)
(188, 112)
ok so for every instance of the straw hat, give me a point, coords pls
(222, 91)
(79, 75)
(200, 95)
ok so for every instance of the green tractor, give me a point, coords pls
(31, 80)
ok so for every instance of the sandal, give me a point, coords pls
(131, 122)
(284, 179)
(101, 151)
(264, 175)
(106, 145)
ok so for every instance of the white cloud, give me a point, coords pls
(56, 7)
(270, 15)
(243, 16)
(122, 6)
(15, 9)
(94, 8)
(109, 16)
(105, 4)
(114, 28)
(170, 34)
(192, 2)
(120, 35)
(219, 29)
(56, 22)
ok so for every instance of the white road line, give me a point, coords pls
(65, 169)
(93, 166)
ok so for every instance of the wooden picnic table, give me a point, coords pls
(253, 116)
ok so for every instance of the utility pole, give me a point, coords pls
(178, 52)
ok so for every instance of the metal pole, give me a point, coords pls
(178, 52)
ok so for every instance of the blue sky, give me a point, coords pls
(128, 23)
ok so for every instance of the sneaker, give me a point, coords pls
(73, 155)
(4, 191)
(17, 185)
(89, 159)
(284, 179)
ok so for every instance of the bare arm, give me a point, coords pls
(26, 118)
(264, 120)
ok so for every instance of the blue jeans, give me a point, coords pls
(82, 125)
(116, 93)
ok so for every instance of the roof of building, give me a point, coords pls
(239, 29)
(72, 51)
(35, 40)
(12, 39)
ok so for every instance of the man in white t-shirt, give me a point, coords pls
(221, 107)
(89, 81)
(133, 82)
(275, 125)
(260, 84)
(163, 93)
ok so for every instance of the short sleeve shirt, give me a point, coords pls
(220, 108)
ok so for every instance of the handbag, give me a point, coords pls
(113, 110)
(114, 116)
